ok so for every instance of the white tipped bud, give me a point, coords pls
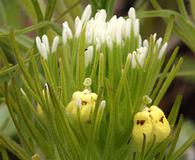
(64, 36)
(78, 29)
(145, 43)
(38, 43)
(46, 42)
(131, 13)
(88, 55)
(46, 87)
(101, 15)
(136, 27)
(140, 41)
(154, 36)
(158, 42)
(66, 32)
(141, 55)
(76, 22)
(118, 37)
(22, 91)
(86, 14)
(43, 52)
(162, 51)
(55, 44)
(103, 104)
(128, 28)
(119, 27)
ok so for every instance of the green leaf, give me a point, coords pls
(168, 81)
(37, 10)
(175, 110)
(50, 9)
(28, 7)
(176, 136)
(182, 8)
(28, 29)
(177, 154)
(183, 27)
(4, 153)
(13, 147)
(164, 73)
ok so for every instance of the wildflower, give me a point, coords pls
(85, 100)
(152, 123)
(161, 127)
(44, 47)
(142, 126)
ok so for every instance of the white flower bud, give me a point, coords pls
(22, 91)
(162, 50)
(88, 55)
(145, 43)
(86, 14)
(154, 36)
(44, 52)
(119, 27)
(103, 104)
(131, 13)
(158, 42)
(101, 15)
(141, 55)
(55, 44)
(136, 27)
(38, 43)
(128, 26)
(64, 36)
(66, 33)
(78, 29)
(140, 41)
(46, 42)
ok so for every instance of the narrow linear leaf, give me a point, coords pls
(13, 147)
(176, 136)
(183, 148)
(174, 111)
(182, 8)
(168, 81)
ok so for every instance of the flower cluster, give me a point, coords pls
(44, 47)
(152, 123)
(100, 33)
(83, 102)
(118, 40)
(97, 62)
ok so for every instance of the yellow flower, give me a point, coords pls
(82, 103)
(161, 127)
(142, 126)
(151, 122)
